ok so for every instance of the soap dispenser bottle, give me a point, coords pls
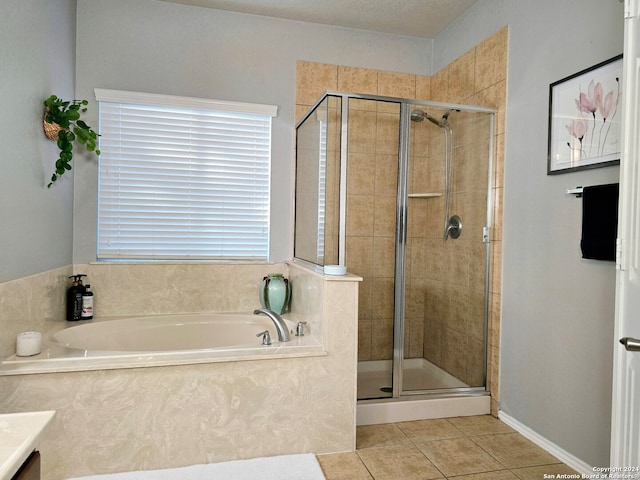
(87, 303)
(74, 298)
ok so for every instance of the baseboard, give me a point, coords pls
(561, 454)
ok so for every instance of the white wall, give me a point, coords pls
(151, 46)
(37, 58)
(557, 312)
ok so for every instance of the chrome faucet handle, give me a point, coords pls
(281, 325)
(266, 337)
(300, 329)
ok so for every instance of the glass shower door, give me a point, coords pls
(372, 176)
(446, 281)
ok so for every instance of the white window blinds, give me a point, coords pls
(182, 178)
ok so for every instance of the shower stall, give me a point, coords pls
(398, 190)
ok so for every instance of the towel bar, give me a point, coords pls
(575, 191)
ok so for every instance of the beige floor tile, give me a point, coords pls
(538, 473)
(458, 456)
(343, 466)
(394, 463)
(480, 425)
(384, 435)
(427, 430)
(514, 451)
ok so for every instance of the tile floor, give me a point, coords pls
(473, 448)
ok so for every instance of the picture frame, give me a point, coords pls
(585, 112)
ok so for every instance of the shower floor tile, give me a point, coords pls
(419, 374)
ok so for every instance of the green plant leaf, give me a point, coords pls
(67, 115)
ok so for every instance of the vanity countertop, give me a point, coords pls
(20, 434)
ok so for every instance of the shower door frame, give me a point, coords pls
(402, 205)
(401, 246)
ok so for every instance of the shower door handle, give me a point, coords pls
(631, 344)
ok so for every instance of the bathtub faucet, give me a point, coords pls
(281, 326)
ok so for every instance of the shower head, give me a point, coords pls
(418, 115)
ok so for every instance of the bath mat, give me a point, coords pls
(285, 467)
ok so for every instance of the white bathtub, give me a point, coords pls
(161, 340)
(170, 333)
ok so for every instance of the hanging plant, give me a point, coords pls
(62, 124)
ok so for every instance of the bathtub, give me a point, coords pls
(132, 342)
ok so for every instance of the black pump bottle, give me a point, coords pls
(74, 298)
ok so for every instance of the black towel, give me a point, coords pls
(599, 222)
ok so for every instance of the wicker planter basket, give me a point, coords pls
(50, 129)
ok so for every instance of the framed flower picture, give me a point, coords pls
(585, 110)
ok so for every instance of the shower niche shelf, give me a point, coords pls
(424, 195)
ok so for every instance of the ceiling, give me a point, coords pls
(414, 18)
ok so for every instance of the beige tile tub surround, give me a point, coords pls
(34, 303)
(477, 77)
(149, 418)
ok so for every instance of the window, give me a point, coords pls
(182, 178)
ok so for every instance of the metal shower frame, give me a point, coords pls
(401, 222)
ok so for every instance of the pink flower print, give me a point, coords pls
(606, 105)
(588, 102)
(577, 129)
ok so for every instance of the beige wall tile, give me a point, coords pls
(360, 211)
(386, 181)
(362, 131)
(384, 249)
(361, 174)
(496, 267)
(423, 87)
(491, 60)
(360, 255)
(494, 96)
(382, 298)
(461, 77)
(387, 138)
(364, 339)
(440, 86)
(498, 180)
(381, 332)
(494, 319)
(314, 79)
(496, 233)
(385, 215)
(392, 84)
(416, 338)
(357, 80)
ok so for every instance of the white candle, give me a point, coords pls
(28, 344)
